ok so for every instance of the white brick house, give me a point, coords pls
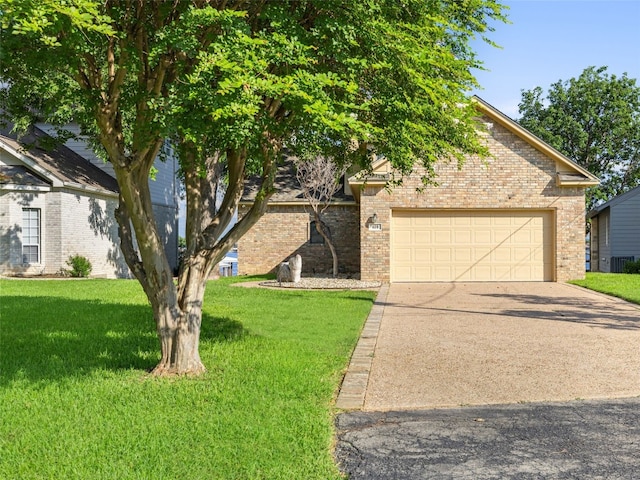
(55, 203)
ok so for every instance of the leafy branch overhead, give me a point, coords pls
(230, 83)
(594, 120)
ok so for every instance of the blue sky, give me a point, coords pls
(551, 40)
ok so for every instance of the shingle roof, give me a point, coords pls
(286, 185)
(60, 162)
(614, 201)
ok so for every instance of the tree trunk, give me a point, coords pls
(327, 238)
(177, 309)
(178, 316)
(179, 326)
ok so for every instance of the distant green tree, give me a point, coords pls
(594, 120)
(232, 82)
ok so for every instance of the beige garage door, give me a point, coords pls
(467, 246)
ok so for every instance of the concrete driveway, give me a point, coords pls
(452, 344)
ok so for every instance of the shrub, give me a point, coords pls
(80, 266)
(631, 267)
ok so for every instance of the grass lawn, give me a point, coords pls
(76, 402)
(621, 285)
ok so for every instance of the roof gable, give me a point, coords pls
(568, 173)
(60, 166)
(623, 197)
(20, 175)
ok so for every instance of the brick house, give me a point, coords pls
(287, 229)
(55, 202)
(517, 215)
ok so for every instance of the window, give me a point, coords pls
(314, 235)
(30, 235)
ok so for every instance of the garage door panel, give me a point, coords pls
(441, 255)
(502, 272)
(472, 246)
(463, 274)
(462, 221)
(523, 272)
(482, 254)
(423, 254)
(404, 221)
(441, 221)
(462, 254)
(441, 273)
(404, 254)
(420, 237)
(497, 221)
(523, 254)
(538, 255)
(481, 236)
(461, 237)
(403, 271)
(502, 254)
(442, 237)
(522, 236)
(403, 236)
(502, 235)
(482, 271)
(482, 221)
(423, 272)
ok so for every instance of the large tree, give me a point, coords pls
(231, 82)
(594, 120)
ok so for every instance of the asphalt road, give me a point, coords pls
(595, 439)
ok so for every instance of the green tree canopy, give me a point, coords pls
(233, 82)
(594, 120)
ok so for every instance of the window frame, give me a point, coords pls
(27, 240)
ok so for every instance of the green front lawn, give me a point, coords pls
(76, 402)
(621, 285)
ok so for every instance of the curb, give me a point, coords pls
(354, 385)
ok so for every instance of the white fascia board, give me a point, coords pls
(87, 189)
(14, 187)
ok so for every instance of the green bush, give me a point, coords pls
(632, 267)
(80, 266)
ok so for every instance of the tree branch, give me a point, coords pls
(127, 245)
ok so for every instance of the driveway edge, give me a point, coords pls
(354, 385)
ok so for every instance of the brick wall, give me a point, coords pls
(70, 224)
(517, 176)
(91, 232)
(283, 231)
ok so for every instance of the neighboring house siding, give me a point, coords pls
(617, 227)
(625, 228)
(604, 238)
(516, 176)
(81, 146)
(283, 231)
(167, 219)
